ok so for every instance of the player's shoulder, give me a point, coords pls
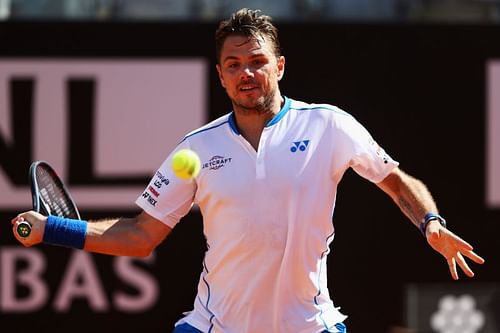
(320, 109)
(210, 127)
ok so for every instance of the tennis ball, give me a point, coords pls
(186, 164)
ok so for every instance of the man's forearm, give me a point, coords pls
(410, 194)
(414, 199)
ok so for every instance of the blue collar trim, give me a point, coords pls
(281, 114)
(274, 120)
(232, 124)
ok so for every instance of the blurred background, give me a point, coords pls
(478, 11)
(103, 90)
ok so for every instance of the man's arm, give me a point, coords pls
(410, 194)
(137, 236)
(415, 201)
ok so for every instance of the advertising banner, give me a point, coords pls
(105, 125)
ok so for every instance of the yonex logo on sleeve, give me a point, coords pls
(299, 145)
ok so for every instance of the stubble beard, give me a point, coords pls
(258, 107)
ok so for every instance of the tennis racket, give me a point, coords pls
(49, 195)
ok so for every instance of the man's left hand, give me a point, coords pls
(452, 247)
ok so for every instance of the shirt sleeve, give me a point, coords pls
(368, 158)
(167, 197)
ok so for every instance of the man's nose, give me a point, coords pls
(246, 72)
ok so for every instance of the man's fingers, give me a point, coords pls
(453, 268)
(453, 248)
(17, 219)
(473, 256)
(459, 242)
(463, 265)
(459, 259)
(444, 235)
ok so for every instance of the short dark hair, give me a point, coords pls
(249, 23)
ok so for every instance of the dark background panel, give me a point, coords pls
(419, 89)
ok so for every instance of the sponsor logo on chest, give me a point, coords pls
(217, 162)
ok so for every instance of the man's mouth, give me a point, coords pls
(247, 87)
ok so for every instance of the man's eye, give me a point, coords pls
(233, 65)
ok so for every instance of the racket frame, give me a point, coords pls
(39, 205)
(37, 200)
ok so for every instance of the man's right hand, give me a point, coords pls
(37, 222)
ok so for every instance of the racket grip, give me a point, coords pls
(23, 229)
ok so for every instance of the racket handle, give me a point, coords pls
(23, 229)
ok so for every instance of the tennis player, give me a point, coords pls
(266, 190)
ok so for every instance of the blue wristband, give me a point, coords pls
(65, 232)
(431, 217)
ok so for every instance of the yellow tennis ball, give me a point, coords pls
(186, 164)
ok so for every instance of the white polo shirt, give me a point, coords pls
(267, 216)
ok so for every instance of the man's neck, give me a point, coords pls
(251, 124)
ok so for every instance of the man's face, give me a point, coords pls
(250, 71)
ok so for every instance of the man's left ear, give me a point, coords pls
(281, 67)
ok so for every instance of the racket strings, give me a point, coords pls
(54, 195)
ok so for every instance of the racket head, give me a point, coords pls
(49, 194)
